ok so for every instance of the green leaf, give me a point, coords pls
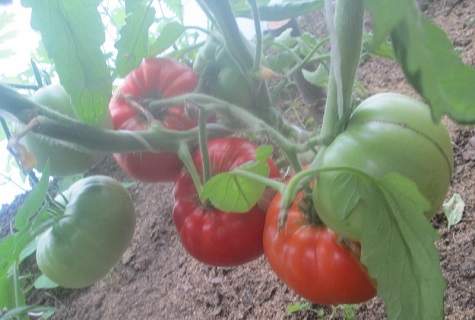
(453, 210)
(233, 192)
(345, 193)
(72, 33)
(6, 20)
(384, 49)
(319, 77)
(7, 297)
(427, 57)
(398, 249)
(386, 14)
(10, 249)
(282, 11)
(168, 36)
(176, 6)
(263, 153)
(43, 282)
(33, 201)
(133, 43)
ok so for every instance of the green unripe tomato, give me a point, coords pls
(64, 159)
(97, 227)
(231, 86)
(387, 133)
(222, 76)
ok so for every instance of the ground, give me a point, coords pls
(156, 279)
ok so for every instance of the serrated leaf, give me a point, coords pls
(427, 57)
(232, 192)
(168, 36)
(453, 210)
(133, 43)
(176, 6)
(282, 11)
(43, 282)
(33, 201)
(319, 77)
(73, 33)
(399, 252)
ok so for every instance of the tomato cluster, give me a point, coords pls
(319, 260)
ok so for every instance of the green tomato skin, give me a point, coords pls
(85, 244)
(226, 82)
(64, 159)
(386, 133)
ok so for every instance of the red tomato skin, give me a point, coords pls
(155, 78)
(212, 236)
(311, 260)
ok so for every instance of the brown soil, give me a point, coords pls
(157, 279)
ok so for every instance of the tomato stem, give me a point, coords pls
(203, 143)
(257, 27)
(16, 284)
(185, 156)
(346, 31)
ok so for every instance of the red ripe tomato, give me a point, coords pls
(210, 235)
(155, 78)
(312, 260)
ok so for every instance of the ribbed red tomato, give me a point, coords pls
(155, 78)
(210, 235)
(313, 261)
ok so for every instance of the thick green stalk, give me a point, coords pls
(346, 32)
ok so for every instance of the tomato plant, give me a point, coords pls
(386, 133)
(65, 159)
(313, 260)
(211, 235)
(156, 78)
(90, 237)
(382, 169)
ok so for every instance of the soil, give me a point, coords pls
(157, 279)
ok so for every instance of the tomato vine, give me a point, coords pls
(354, 175)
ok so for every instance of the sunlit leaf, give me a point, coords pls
(168, 36)
(73, 33)
(176, 6)
(427, 57)
(133, 43)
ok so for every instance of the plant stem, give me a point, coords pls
(185, 156)
(203, 140)
(16, 284)
(346, 32)
(257, 27)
